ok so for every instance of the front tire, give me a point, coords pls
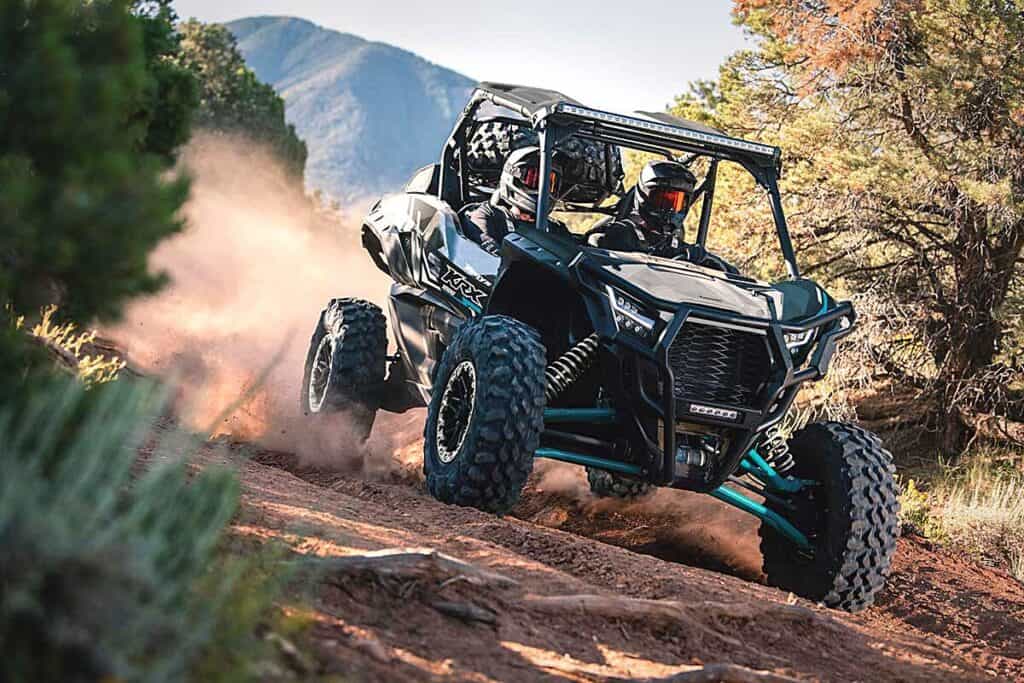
(604, 484)
(345, 364)
(850, 516)
(486, 415)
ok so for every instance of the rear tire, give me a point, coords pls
(604, 484)
(345, 364)
(586, 162)
(486, 415)
(851, 518)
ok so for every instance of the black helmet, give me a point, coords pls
(519, 180)
(664, 194)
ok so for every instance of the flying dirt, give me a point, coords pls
(256, 260)
(255, 265)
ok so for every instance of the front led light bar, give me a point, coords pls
(711, 411)
(655, 127)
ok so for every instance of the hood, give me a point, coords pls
(679, 282)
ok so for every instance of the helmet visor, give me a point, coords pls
(668, 199)
(532, 176)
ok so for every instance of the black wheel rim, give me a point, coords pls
(456, 411)
(320, 374)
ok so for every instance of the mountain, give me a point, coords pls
(370, 113)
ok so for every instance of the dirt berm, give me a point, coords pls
(618, 598)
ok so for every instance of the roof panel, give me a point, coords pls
(530, 102)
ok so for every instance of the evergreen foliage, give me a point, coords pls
(232, 98)
(92, 109)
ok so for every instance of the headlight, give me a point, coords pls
(796, 340)
(630, 316)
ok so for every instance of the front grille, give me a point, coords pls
(719, 365)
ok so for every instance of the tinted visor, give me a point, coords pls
(668, 199)
(532, 175)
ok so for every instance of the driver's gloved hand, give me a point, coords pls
(490, 245)
(617, 236)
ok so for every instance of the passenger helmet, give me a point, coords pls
(520, 179)
(664, 194)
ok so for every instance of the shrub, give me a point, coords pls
(93, 108)
(103, 577)
(916, 512)
(83, 197)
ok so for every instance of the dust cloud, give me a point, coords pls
(256, 263)
(680, 526)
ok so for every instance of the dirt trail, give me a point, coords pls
(940, 619)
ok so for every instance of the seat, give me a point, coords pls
(802, 299)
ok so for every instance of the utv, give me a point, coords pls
(647, 371)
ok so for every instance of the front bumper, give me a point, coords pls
(639, 374)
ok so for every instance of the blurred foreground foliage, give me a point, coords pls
(91, 111)
(107, 572)
(113, 567)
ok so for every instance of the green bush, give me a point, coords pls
(106, 571)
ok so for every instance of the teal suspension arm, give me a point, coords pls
(770, 517)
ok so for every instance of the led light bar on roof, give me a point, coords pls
(654, 126)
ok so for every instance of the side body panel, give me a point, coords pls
(441, 277)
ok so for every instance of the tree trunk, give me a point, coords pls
(982, 275)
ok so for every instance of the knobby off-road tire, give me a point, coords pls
(851, 518)
(486, 415)
(592, 169)
(345, 364)
(604, 484)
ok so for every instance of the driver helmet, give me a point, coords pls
(520, 178)
(664, 194)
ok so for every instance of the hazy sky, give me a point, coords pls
(639, 58)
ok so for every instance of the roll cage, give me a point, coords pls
(556, 117)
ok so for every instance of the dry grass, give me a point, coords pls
(986, 499)
(976, 508)
(1017, 564)
(74, 345)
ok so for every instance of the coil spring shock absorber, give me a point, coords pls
(775, 449)
(570, 367)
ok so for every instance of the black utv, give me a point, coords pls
(648, 371)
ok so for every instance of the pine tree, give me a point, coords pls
(91, 112)
(233, 100)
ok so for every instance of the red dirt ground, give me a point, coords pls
(939, 619)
